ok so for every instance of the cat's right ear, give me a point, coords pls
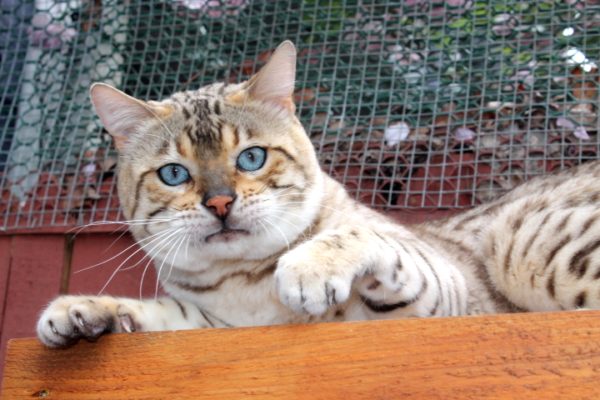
(123, 115)
(274, 83)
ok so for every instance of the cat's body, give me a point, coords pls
(225, 193)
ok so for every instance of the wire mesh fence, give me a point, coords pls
(419, 106)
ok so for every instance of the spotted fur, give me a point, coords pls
(292, 247)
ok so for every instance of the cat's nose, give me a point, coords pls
(220, 205)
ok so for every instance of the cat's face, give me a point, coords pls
(224, 172)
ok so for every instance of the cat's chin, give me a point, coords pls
(226, 235)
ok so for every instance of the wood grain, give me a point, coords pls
(515, 356)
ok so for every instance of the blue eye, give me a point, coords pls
(252, 159)
(173, 174)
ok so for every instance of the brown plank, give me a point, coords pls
(34, 279)
(519, 356)
(96, 248)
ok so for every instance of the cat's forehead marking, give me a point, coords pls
(163, 148)
(203, 125)
(182, 145)
(209, 137)
(236, 136)
(206, 117)
(209, 120)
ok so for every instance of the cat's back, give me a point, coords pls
(538, 245)
(562, 202)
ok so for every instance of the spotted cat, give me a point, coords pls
(223, 191)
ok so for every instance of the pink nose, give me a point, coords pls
(220, 204)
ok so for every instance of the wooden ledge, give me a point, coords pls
(513, 356)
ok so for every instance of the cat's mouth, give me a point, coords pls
(226, 235)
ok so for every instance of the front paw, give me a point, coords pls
(70, 318)
(310, 281)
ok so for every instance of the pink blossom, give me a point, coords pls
(502, 30)
(408, 3)
(89, 169)
(463, 134)
(564, 122)
(581, 133)
(48, 33)
(578, 3)
(68, 35)
(211, 8)
(396, 133)
(525, 76)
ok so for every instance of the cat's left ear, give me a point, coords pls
(274, 83)
(124, 116)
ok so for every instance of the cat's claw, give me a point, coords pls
(307, 284)
(70, 318)
(322, 271)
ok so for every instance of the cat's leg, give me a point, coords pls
(390, 275)
(70, 318)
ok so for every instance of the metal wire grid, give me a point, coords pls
(414, 105)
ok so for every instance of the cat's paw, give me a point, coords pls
(321, 272)
(309, 280)
(70, 318)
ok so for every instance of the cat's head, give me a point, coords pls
(226, 171)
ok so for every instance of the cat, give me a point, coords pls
(222, 188)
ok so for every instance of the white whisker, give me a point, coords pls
(144, 274)
(264, 226)
(128, 248)
(283, 190)
(186, 247)
(120, 265)
(161, 121)
(151, 257)
(131, 222)
(320, 205)
(163, 263)
(115, 241)
(294, 214)
(283, 219)
(282, 234)
(174, 256)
